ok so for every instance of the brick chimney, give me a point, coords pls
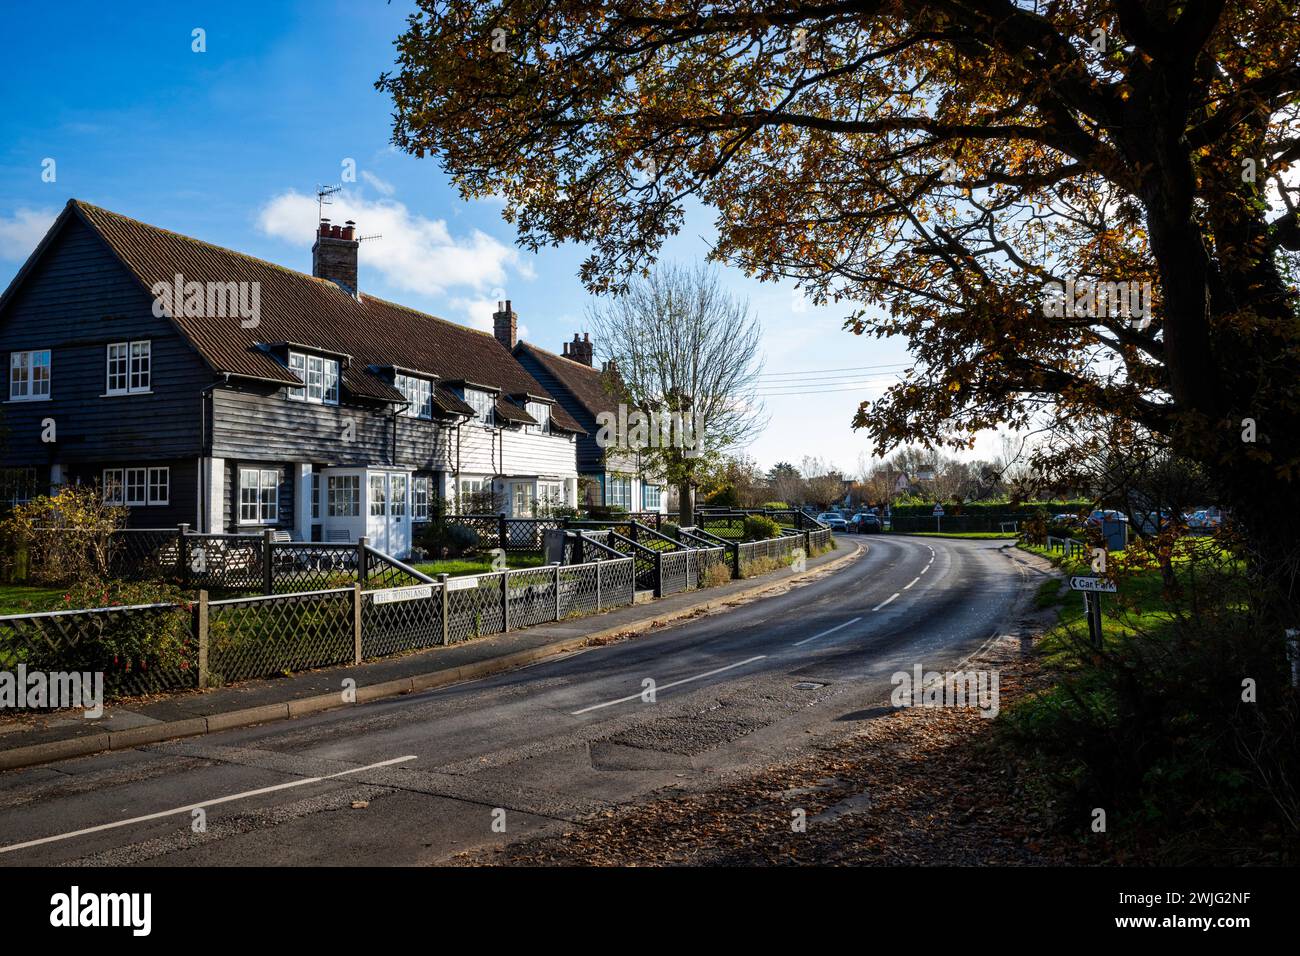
(505, 324)
(334, 255)
(580, 349)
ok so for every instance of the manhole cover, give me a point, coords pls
(807, 685)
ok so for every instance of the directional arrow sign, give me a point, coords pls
(1080, 583)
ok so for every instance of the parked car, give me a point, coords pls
(1203, 520)
(833, 521)
(864, 522)
(1109, 514)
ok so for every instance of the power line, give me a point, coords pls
(850, 368)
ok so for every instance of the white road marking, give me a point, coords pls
(197, 806)
(676, 683)
(885, 601)
(839, 627)
(914, 580)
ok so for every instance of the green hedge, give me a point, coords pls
(985, 508)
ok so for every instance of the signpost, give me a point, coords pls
(1093, 589)
(938, 517)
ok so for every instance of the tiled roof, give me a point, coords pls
(316, 313)
(593, 388)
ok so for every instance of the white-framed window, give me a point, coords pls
(160, 480)
(525, 499)
(418, 393)
(651, 497)
(344, 494)
(397, 494)
(113, 486)
(482, 402)
(550, 494)
(129, 367)
(542, 412)
(29, 376)
(321, 376)
(378, 495)
(315, 494)
(420, 498)
(137, 487)
(259, 495)
(618, 492)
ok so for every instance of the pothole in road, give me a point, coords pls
(808, 685)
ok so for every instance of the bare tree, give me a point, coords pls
(685, 351)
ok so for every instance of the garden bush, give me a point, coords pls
(56, 539)
(760, 528)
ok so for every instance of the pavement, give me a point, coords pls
(31, 739)
(416, 779)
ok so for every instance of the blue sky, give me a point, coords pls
(228, 146)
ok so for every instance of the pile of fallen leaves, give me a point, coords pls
(914, 786)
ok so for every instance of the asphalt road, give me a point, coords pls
(417, 779)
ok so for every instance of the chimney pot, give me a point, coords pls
(334, 256)
(505, 325)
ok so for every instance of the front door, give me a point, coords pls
(388, 512)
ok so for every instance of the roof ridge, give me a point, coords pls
(574, 363)
(81, 203)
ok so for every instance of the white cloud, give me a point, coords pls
(20, 234)
(381, 185)
(416, 254)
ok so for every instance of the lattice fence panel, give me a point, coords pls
(143, 649)
(532, 596)
(578, 590)
(674, 573)
(396, 626)
(475, 611)
(224, 562)
(144, 554)
(616, 583)
(265, 636)
(299, 567)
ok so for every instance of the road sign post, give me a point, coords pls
(1093, 589)
(938, 518)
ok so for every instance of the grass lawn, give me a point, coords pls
(477, 565)
(23, 598)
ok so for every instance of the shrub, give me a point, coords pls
(717, 573)
(760, 528)
(54, 539)
(776, 506)
(460, 540)
(724, 496)
(670, 529)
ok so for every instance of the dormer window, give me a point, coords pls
(418, 393)
(542, 412)
(482, 403)
(321, 376)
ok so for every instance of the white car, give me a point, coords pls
(833, 521)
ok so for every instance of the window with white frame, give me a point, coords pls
(344, 493)
(482, 402)
(418, 393)
(160, 480)
(618, 492)
(550, 495)
(420, 498)
(315, 494)
(320, 375)
(651, 497)
(29, 376)
(378, 495)
(397, 496)
(137, 487)
(129, 367)
(525, 500)
(541, 412)
(259, 495)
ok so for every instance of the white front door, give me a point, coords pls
(388, 512)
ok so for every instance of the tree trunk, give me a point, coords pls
(685, 504)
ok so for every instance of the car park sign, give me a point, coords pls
(1081, 582)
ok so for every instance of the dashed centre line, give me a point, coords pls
(838, 627)
(885, 601)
